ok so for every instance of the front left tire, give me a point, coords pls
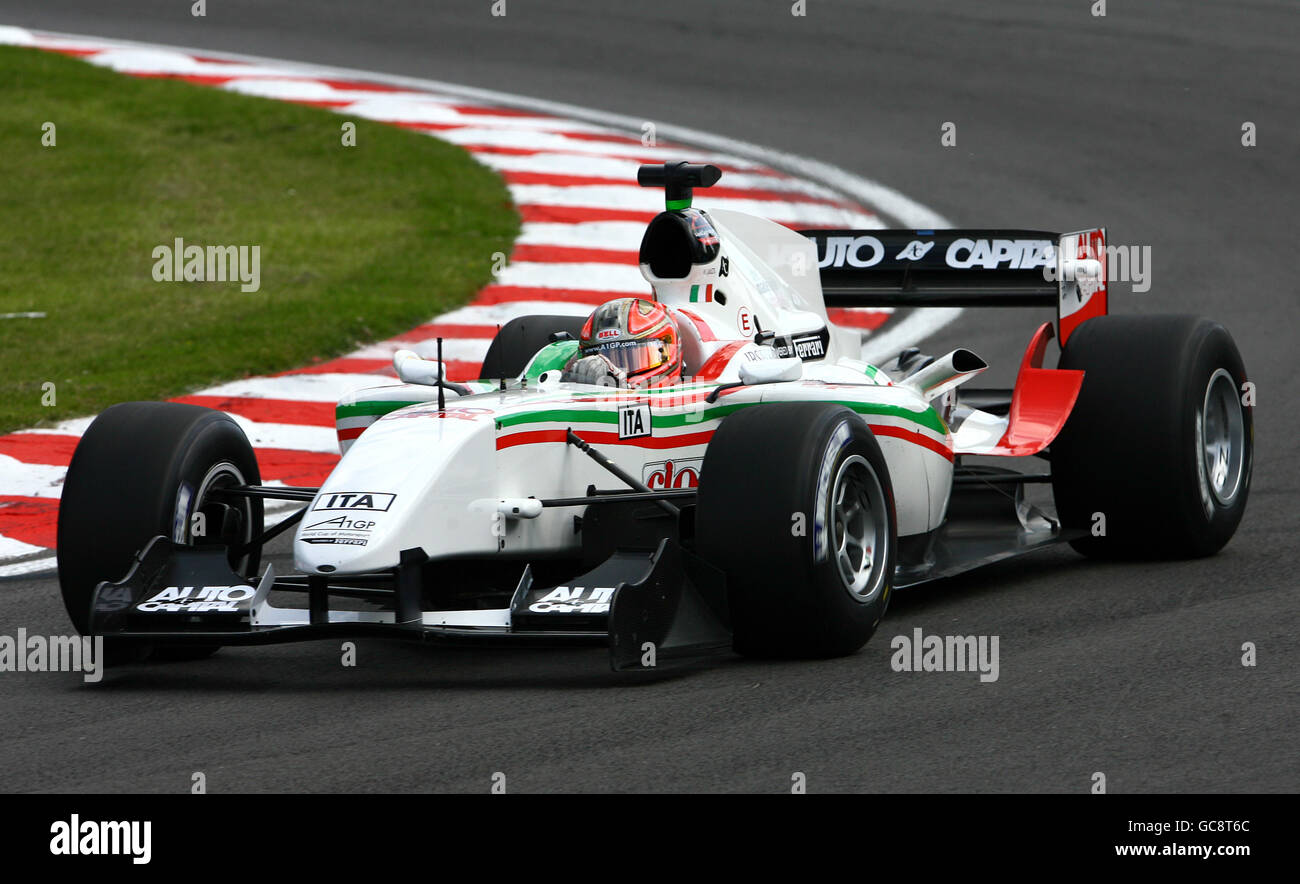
(143, 469)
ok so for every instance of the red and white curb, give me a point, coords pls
(571, 172)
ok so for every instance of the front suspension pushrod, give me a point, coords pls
(577, 441)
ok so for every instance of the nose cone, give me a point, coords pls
(407, 481)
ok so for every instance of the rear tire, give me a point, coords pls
(144, 469)
(1159, 442)
(519, 340)
(770, 471)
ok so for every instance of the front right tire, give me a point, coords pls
(795, 505)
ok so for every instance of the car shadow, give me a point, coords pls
(391, 666)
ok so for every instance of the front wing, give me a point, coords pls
(663, 606)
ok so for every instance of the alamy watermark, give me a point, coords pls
(1123, 264)
(946, 653)
(181, 263)
(55, 653)
(78, 837)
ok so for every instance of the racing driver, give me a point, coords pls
(628, 342)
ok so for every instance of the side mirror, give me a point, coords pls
(771, 371)
(412, 369)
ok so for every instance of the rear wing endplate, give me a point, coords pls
(966, 268)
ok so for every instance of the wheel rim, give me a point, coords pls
(1221, 437)
(859, 528)
(219, 476)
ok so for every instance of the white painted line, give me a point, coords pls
(425, 110)
(12, 549)
(30, 479)
(37, 567)
(323, 387)
(293, 437)
(453, 349)
(619, 169)
(647, 199)
(618, 235)
(584, 277)
(500, 314)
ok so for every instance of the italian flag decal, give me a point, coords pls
(708, 294)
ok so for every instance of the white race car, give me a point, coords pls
(766, 496)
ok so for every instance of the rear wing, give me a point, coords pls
(966, 268)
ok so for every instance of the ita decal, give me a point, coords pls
(354, 500)
(634, 421)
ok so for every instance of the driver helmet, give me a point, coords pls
(637, 337)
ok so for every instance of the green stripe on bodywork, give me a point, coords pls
(928, 418)
(594, 416)
(362, 409)
(559, 416)
(676, 205)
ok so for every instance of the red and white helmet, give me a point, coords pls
(637, 337)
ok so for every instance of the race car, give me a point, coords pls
(709, 467)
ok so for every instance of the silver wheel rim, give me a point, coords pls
(220, 475)
(859, 528)
(1221, 436)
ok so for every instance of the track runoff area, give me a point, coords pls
(574, 184)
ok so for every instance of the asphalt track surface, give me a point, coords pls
(1063, 121)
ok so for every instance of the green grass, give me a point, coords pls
(357, 243)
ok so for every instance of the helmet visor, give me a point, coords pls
(632, 357)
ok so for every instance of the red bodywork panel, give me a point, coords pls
(1041, 401)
